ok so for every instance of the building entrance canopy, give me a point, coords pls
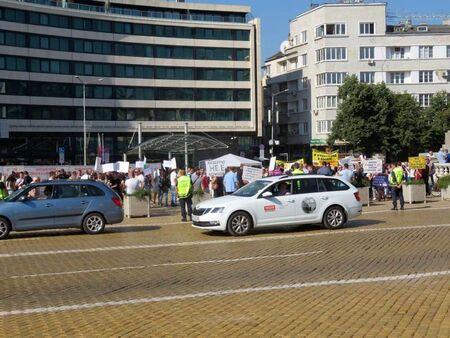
(175, 144)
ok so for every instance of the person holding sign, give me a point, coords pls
(396, 180)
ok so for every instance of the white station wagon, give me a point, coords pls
(281, 200)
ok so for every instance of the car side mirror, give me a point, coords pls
(267, 194)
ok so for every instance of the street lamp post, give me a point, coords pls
(84, 118)
(272, 141)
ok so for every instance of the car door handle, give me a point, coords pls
(291, 201)
(48, 205)
(84, 202)
(324, 198)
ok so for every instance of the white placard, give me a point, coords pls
(108, 167)
(167, 164)
(148, 171)
(251, 174)
(173, 163)
(371, 166)
(215, 168)
(123, 166)
(140, 164)
(272, 163)
(154, 166)
(98, 164)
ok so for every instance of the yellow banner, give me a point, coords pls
(299, 161)
(417, 162)
(321, 156)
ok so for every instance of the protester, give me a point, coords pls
(217, 186)
(396, 180)
(3, 191)
(132, 185)
(324, 170)
(173, 185)
(164, 186)
(346, 173)
(230, 181)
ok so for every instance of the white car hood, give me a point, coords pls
(221, 201)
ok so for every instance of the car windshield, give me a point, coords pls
(14, 194)
(252, 188)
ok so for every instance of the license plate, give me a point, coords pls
(195, 218)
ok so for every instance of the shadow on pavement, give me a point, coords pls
(130, 228)
(301, 228)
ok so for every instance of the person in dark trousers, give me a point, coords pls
(184, 192)
(396, 180)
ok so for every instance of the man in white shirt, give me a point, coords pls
(347, 174)
(173, 187)
(132, 184)
(87, 175)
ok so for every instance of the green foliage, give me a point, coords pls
(374, 119)
(141, 194)
(444, 182)
(414, 182)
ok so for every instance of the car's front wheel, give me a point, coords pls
(5, 228)
(93, 224)
(239, 224)
(334, 217)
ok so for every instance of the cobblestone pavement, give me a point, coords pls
(386, 274)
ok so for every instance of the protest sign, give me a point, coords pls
(148, 171)
(167, 164)
(154, 166)
(108, 167)
(98, 164)
(417, 162)
(122, 167)
(371, 166)
(380, 181)
(173, 163)
(140, 164)
(272, 162)
(215, 168)
(320, 156)
(251, 174)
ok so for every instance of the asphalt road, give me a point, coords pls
(386, 274)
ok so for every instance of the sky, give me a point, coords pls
(275, 15)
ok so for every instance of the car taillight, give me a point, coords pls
(358, 198)
(117, 201)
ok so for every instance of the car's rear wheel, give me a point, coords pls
(5, 228)
(93, 224)
(239, 224)
(334, 217)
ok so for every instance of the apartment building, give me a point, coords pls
(159, 63)
(329, 42)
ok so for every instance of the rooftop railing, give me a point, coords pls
(138, 13)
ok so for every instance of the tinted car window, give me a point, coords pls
(305, 186)
(334, 185)
(67, 191)
(41, 192)
(282, 188)
(93, 190)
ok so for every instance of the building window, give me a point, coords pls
(425, 76)
(304, 82)
(366, 28)
(397, 53)
(330, 78)
(304, 60)
(425, 52)
(293, 63)
(448, 51)
(305, 105)
(367, 77)
(367, 53)
(282, 66)
(397, 78)
(2, 87)
(293, 129)
(324, 126)
(331, 29)
(267, 70)
(303, 128)
(327, 102)
(303, 36)
(331, 54)
(425, 100)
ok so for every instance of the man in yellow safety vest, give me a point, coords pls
(184, 193)
(396, 180)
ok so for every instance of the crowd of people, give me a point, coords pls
(164, 187)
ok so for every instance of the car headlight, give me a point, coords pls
(217, 210)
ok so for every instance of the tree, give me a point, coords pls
(436, 121)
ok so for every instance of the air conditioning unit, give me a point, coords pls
(371, 62)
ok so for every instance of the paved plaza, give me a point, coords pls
(385, 274)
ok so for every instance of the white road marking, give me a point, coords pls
(400, 211)
(222, 241)
(163, 264)
(217, 293)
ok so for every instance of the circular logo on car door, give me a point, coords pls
(309, 205)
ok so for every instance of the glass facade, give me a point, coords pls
(17, 39)
(127, 28)
(32, 112)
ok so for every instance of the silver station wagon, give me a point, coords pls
(84, 204)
